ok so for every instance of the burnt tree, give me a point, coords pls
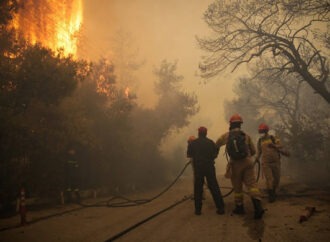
(289, 31)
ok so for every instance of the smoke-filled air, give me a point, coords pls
(103, 95)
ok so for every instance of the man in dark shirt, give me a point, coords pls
(203, 152)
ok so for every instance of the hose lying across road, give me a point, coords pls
(185, 198)
(121, 201)
(138, 202)
(128, 202)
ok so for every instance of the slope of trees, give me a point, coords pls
(50, 104)
(293, 32)
(34, 81)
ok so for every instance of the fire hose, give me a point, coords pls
(256, 163)
(127, 202)
(185, 198)
(121, 201)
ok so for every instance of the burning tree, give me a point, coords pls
(290, 31)
(33, 129)
(50, 102)
(53, 24)
(33, 133)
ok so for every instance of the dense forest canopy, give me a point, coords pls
(52, 103)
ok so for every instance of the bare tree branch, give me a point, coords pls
(277, 29)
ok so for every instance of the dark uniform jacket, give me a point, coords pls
(202, 150)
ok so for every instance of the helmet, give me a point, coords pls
(263, 128)
(236, 118)
(191, 138)
(202, 130)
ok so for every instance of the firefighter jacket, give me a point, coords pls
(224, 138)
(202, 151)
(269, 149)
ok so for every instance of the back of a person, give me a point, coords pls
(203, 150)
(223, 140)
(269, 154)
(240, 168)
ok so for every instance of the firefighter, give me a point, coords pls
(203, 152)
(269, 149)
(241, 164)
(190, 139)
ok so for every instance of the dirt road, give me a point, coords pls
(280, 223)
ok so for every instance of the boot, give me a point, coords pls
(198, 208)
(258, 210)
(198, 212)
(271, 195)
(221, 210)
(239, 209)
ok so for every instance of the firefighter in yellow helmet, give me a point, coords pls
(270, 150)
(240, 148)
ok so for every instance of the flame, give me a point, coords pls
(52, 23)
(102, 86)
(127, 92)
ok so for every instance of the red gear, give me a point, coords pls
(263, 128)
(236, 118)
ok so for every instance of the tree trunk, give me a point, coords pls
(319, 87)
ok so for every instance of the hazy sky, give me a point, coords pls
(161, 30)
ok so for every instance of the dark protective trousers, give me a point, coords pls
(208, 171)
